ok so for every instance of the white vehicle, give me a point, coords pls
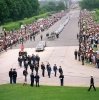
(42, 42)
(39, 47)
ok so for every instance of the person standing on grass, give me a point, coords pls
(11, 75)
(25, 75)
(32, 79)
(92, 83)
(61, 79)
(37, 79)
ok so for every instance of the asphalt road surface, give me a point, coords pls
(66, 38)
(59, 51)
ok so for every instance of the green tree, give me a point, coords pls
(61, 6)
(4, 12)
(89, 4)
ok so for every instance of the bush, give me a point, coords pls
(16, 25)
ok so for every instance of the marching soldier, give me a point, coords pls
(37, 79)
(25, 74)
(92, 83)
(11, 75)
(43, 69)
(61, 78)
(14, 76)
(32, 79)
(55, 69)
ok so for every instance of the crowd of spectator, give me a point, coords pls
(88, 37)
(26, 32)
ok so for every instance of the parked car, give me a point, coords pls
(42, 42)
(39, 47)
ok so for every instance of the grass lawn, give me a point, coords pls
(20, 92)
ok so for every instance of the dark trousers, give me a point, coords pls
(37, 83)
(75, 57)
(36, 71)
(91, 87)
(55, 72)
(11, 80)
(41, 38)
(82, 62)
(14, 80)
(49, 74)
(32, 69)
(20, 64)
(61, 80)
(79, 58)
(43, 73)
(25, 78)
(32, 82)
(34, 39)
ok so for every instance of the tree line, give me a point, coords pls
(14, 10)
(89, 4)
(51, 6)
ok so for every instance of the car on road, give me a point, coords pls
(42, 42)
(39, 47)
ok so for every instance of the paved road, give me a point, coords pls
(59, 51)
(67, 36)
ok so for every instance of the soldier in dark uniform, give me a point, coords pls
(82, 58)
(32, 79)
(11, 75)
(26, 65)
(33, 58)
(47, 66)
(36, 68)
(37, 79)
(32, 66)
(55, 69)
(77, 35)
(37, 59)
(49, 70)
(25, 74)
(29, 60)
(79, 54)
(75, 53)
(34, 37)
(61, 78)
(20, 61)
(60, 70)
(41, 37)
(14, 76)
(43, 69)
(92, 83)
(24, 59)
